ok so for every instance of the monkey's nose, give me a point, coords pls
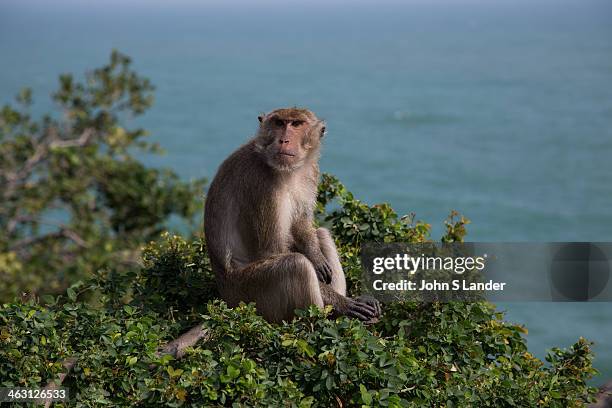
(283, 141)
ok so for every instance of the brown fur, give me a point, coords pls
(259, 227)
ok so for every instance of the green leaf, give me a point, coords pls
(71, 294)
(366, 398)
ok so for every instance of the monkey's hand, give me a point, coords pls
(364, 308)
(323, 269)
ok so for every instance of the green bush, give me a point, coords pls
(454, 354)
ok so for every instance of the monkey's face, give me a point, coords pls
(288, 138)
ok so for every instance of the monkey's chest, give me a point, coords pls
(292, 208)
(288, 209)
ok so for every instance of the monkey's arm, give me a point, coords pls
(306, 242)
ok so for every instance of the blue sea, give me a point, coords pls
(501, 110)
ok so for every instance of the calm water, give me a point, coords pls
(501, 111)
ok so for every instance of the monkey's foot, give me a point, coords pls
(364, 308)
(370, 300)
(371, 321)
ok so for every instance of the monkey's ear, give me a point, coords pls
(323, 131)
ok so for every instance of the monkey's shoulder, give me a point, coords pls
(242, 162)
(240, 171)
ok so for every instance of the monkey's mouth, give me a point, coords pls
(286, 154)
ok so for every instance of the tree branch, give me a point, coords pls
(81, 141)
(175, 348)
(62, 232)
(48, 142)
(33, 240)
(53, 385)
(603, 397)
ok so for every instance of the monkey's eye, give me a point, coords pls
(297, 123)
(279, 122)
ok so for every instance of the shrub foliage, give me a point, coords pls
(454, 354)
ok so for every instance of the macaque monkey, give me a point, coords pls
(259, 227)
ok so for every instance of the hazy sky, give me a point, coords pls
(283, 3)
